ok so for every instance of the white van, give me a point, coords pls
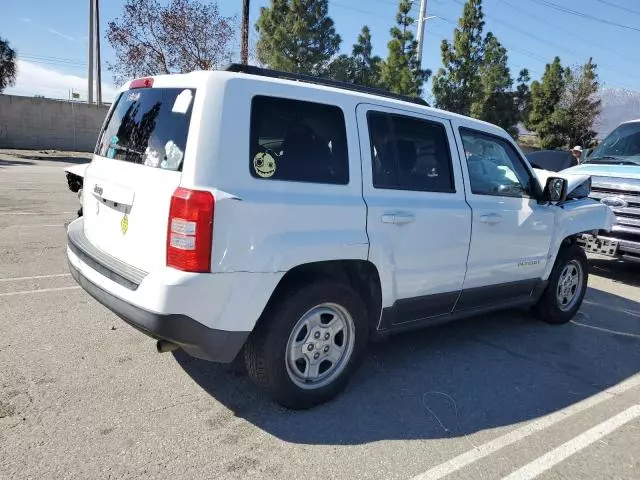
(290, 220)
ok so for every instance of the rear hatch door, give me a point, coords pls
(135, 170)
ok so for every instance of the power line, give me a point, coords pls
(573, 35)
(528, 34)
(45, 62)
(526, 53)
(560, 8)
(359, 10)
(65, 61)
(619, 6)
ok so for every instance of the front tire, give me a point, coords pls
(308, 344)
(566, 289)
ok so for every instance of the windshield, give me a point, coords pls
(148, 126)
(621, 146)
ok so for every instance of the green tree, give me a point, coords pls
(400, 73)
(367, 65)
(546, 118)
(8, 65)
(581, 104)
(458, 82)
(342, 68)
(523, 95)
(297, 36)
(361, 67)
(495, 102)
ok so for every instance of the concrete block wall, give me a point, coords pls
(43, 123)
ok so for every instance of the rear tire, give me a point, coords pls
(308, 344)
(566, 289)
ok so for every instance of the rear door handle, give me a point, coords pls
(398, 218)
(491, 218)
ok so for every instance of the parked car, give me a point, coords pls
(75, 178)
(614, 166)
(290, 220)
(552, 160)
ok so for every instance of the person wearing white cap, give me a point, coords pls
(576, 152)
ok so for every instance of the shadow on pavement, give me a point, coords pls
(10, 163)
(455, 379)
(51, 158)
(619, 271)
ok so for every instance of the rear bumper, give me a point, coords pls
(209, 315)
(196, 339)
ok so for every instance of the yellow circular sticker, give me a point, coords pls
(264, 165)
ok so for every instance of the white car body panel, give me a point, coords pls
(435, 241)
(274, 225)
(233, 300)
(141, 195)
(515, 248)
(575, 217)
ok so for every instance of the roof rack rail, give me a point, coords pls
(264, 72)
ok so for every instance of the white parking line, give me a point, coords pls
(37, 225)
(35, 277)
(41, 290)
(491, 447)
(564, 451)
(607, 330)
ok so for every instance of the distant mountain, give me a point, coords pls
(618, 105)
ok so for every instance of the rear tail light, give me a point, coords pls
(190, 230)
(146, 82)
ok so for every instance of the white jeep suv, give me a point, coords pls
(290, 220)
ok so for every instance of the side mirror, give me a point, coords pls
(556, 190)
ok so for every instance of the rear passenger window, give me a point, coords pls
(409, 154)
(298, 141)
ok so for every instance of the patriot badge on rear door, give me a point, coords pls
(124, 224)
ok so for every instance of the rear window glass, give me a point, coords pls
(298, 141)
(148, 126)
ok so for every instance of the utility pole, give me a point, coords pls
(422, 18)
(244, 54)
(98, 68)
(91, 42)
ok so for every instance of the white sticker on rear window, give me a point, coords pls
(183, 100)
(151, 158)
(173, 156)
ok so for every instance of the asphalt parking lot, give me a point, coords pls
(83, 395)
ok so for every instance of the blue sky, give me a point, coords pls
(51, 37)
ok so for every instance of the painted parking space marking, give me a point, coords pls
(573, 446)
(38, 225)
(497, 444)
(34, 277)
(41, 290)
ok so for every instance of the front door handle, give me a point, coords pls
(491, 218)
(398, 218)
